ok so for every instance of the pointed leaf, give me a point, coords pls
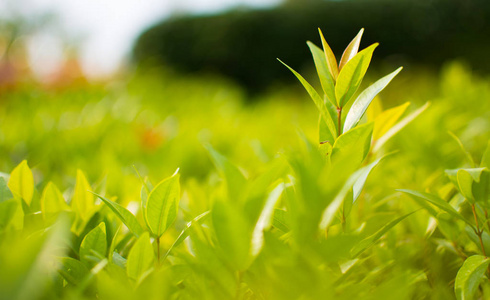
(52, 200)
(399, 126)
(94, 243)
(21, 182)
(330, 57)
(320, 104)
(463, 150)
(140, 258)
(326, 78)
(355, 143)
(72, 270)
(124, 215)
(371, 240)
(265, 219)
(385, 120)
(83, 201)
(163, 205)
(351, 49)
(351, 75)
(364, 100)
(438, 202)
(469, 276)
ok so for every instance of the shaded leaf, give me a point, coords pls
(72, 270)
(5, 193)
(140, 258)
(469, 276)
(94, 243)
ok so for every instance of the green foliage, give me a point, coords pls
(277, 217)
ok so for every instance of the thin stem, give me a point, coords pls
(339, 120)
(479, 232)
(158, 250)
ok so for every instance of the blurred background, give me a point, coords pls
(105, 85)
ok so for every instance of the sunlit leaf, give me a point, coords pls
(326, 78)
(354, 143)
(163, 204)
(140, 258)
(21, 182)
(351, 49)
(320, 104)
(363, 101)
(350, 77)
(83, 200)
(52, 200)
(386, 119)
(469, 276)
(330, 57)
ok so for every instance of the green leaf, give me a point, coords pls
(7, 212)
(281, 220)
(320, 104)
(351, 49)
(163, 204)
(52, 200)
(354, 143)
(185, 232)
(140, 258)
(83, 200)
(485, 161)
(371, 240)
(124, 215)
(399, 126)
(235, 181)
(265, 219)
(326, 78)
(463, 150)
(351, 75)
(94, 244)
(385, 120)
(234, 234)
(469, 276)
(438, 202)
(466, 180)
(21, 182)
(330, 57)
(5, 193)
(363, 101)
(72, 270)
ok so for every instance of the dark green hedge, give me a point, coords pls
(244, 44)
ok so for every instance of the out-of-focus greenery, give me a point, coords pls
(411, 32)
(161, 122)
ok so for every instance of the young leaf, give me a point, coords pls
(185, 232)
(94, 243)
(83, 200)
(163, 204)
(350, 77)
(5, 193)
(469, 276)
(355, 143)
(364, 100)
(320, 104)
(399, 126)
(385, 120)
(330, 57)
(140, 257)
(21, 182)
(438, 202)
(124, 215)
(371, 240)
(326, 78)
(466, 180)
(52, 200)
(351, 49)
